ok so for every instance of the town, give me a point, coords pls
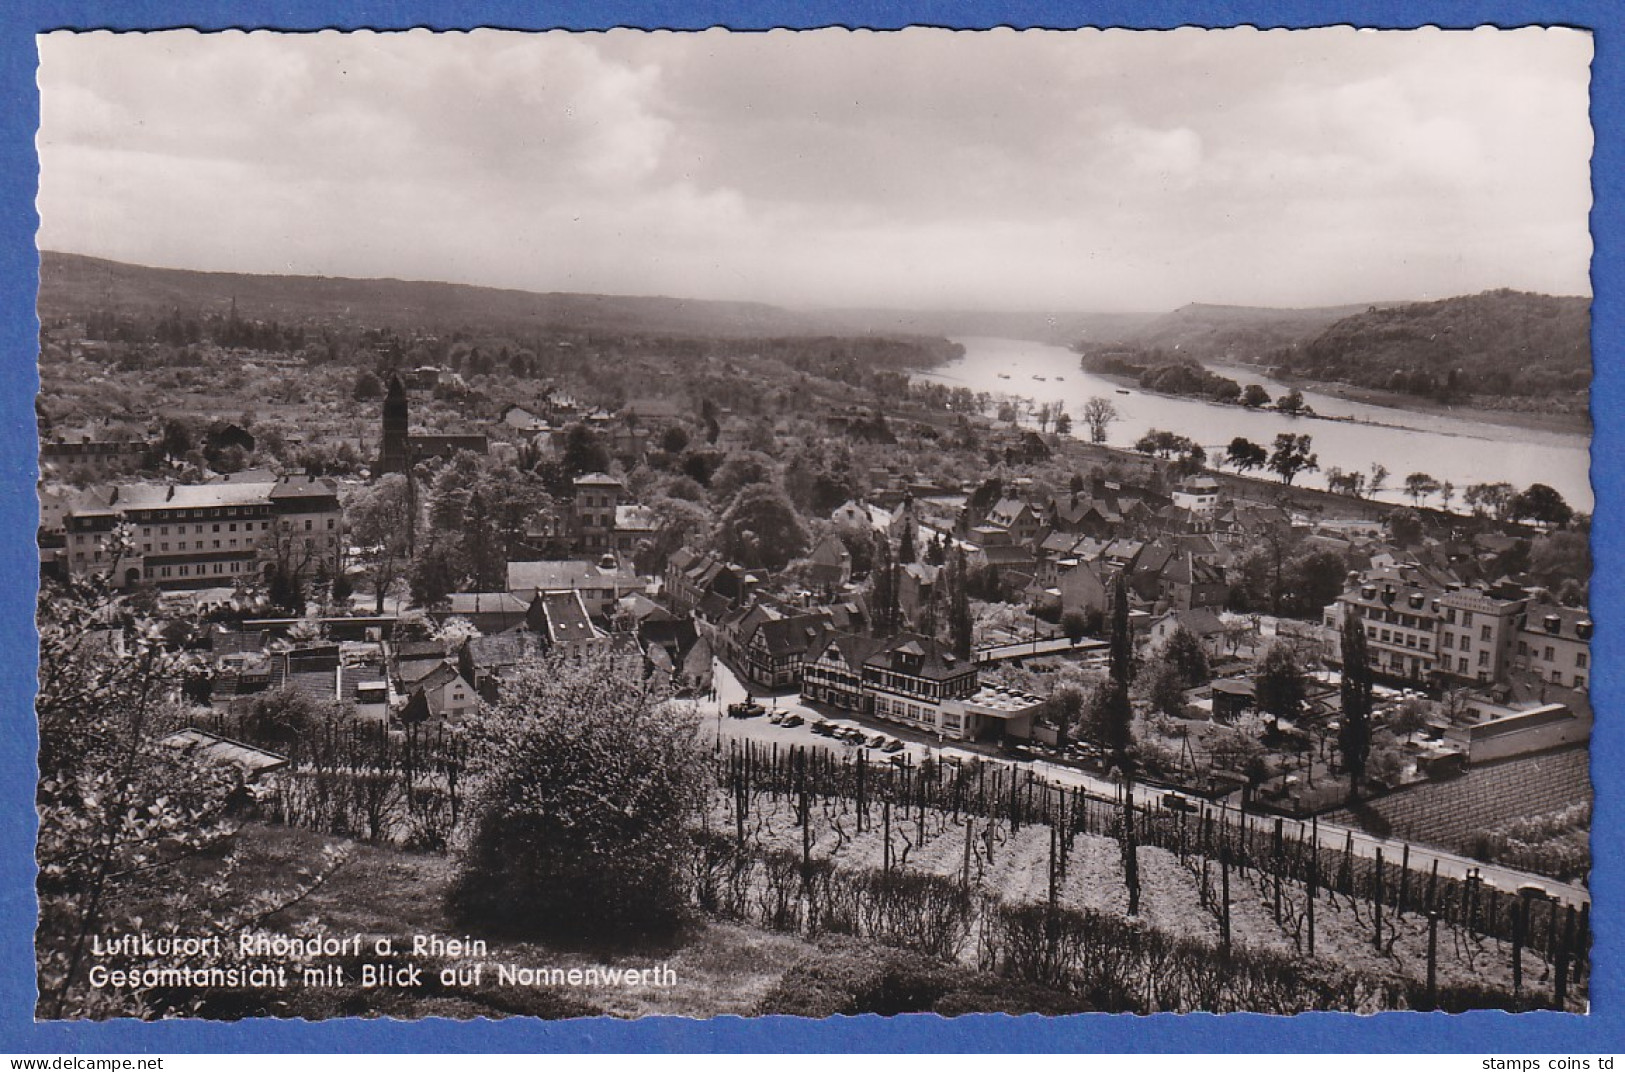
(819, 552)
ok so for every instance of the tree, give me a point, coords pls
(1184, 653)
(1099, 414)
(381, 519)
(1254, 396)
(1354, 729)
(342, 589)
(1488, 500)
(1115, 716)
(883, 595)
(961, 627)
(119, 810)
(1540, 502)
(1405, 527)
(1419, 486)
(1290, 403)
(738, 472)
(1379, 477)
(906, 551)
(368, 387)
(1063, 423)
(580, 825)
(674, 440)
(584, 452)
(1245, 455)
(762, 529)
(1162, 686)
(1279, 682)
(1292, 455)
(1075, 625)
(1065, 707)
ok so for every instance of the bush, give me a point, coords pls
(580, 825)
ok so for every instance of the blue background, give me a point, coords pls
(1601, 1032)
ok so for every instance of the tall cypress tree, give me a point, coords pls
(960, 627)
(1354, 733)
(1117, 723)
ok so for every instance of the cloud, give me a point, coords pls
(1103, 169)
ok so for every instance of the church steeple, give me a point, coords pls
(394, 456)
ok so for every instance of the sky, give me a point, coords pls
(1090, 171)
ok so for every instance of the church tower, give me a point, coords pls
(394, 457)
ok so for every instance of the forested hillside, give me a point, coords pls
(1501, 343)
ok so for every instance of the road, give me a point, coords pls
(917, 747)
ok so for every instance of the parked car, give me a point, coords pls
(748, 709)
(877, 741)
(893, 745)
(824, 728)
(1175, 802)
(776, 717)
(792, 720)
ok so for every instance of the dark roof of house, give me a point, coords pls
(506, 649)
(438, 678)
(910, 653)
(788, 636)
(566, 618)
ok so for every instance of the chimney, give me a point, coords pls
(171, 495)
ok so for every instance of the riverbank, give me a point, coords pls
(1574, 424)
(1577, 424)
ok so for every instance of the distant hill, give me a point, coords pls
(1234, 333)
(1502, 343)
(70, 284)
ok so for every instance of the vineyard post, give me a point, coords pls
(885, 821)
(863, 804)
(1224, 917)
(1206, 852)
(1433, 886)
(1433, 957)
(1314, 880)
(1015, 801)
(1346, 878)
(1551, 929)
(1564, 949)
(1404, 879)
(970, 826)
(1582, 940)
(1519, 918)
(1278, 822)
(1052, 875)
(1376, 904)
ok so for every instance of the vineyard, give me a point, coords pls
(989, 866)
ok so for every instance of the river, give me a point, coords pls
(1447, 448)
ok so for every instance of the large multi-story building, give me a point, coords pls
(1554, 643)
(1401, 611)
(913, 681)
(1477, 632)
(205, 535)
(1422, 631)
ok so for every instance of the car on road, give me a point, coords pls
(792, 720)
(1175, 802)
(748, 709)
